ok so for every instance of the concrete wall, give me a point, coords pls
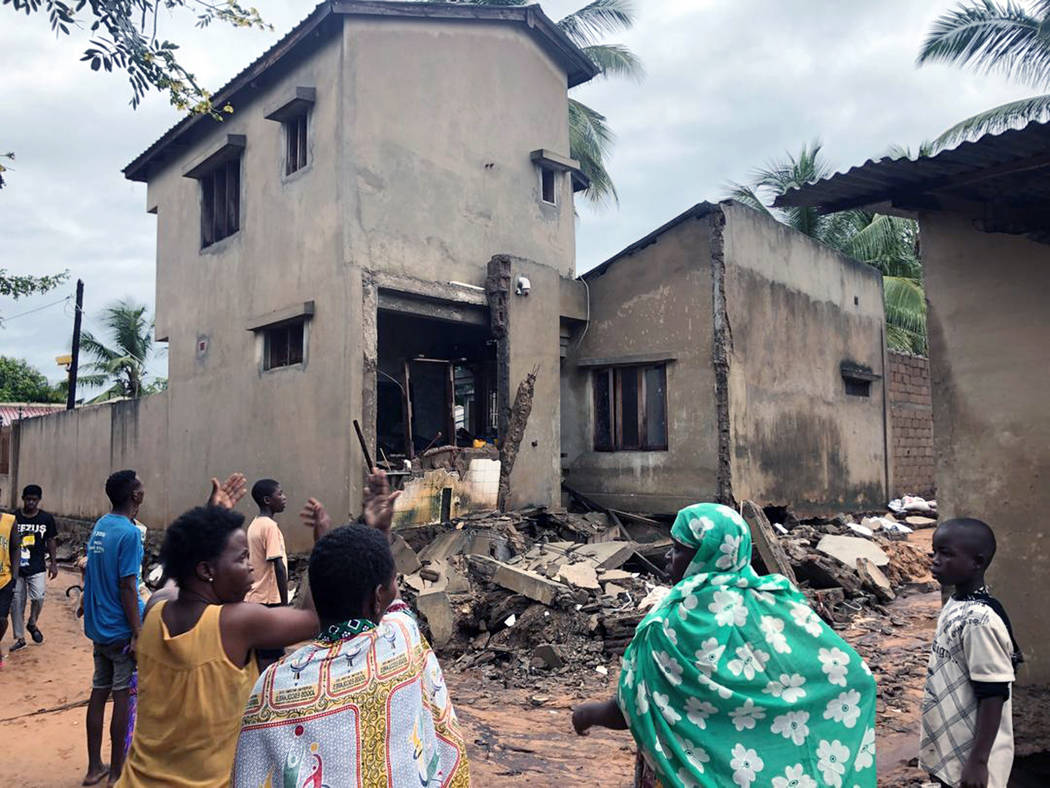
(990, 367)
(70, 454)
(911, 416)
(796, 310)
(655, 301)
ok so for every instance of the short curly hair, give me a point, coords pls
(197, 535)
(345, 565)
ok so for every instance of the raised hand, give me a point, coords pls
(228, 492)
(379, 502)
(314, 515)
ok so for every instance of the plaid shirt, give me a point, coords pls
(971, 644)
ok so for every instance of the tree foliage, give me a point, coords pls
(988, 36)
(14, 286)
(124, 35)
(888, 243)
(590, 138)
(120, 366)
(20, 381)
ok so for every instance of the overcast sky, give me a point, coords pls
(729, 85)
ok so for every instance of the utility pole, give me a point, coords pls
(71, 399)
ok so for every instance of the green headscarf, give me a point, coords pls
(733, 679)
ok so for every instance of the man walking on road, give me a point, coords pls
(36, 528)
(113, 619)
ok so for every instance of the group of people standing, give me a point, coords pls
(732, 680)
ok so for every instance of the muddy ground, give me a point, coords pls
(515, 736)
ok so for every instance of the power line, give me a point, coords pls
(4, 320)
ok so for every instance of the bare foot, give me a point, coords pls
(96, 775)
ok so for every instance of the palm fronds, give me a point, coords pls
(587, 25)
(122, 363)
(996, 120)
(589, 141)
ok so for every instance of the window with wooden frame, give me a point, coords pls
(295, 139)
(548, 185)
(630, 408)
(284, 345)
(220, 201)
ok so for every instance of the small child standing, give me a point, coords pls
(967, 728)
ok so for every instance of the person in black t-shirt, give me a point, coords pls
(36, 528)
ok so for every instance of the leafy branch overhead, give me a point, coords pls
(124, 35)
(988, 36)
(17, 286)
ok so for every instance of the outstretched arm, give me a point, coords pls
(607, 714)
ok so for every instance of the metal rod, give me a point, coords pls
(364, 447)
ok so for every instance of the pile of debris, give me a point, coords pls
(527, 594)
(532, 592)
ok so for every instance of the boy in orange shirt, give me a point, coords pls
(267, 556)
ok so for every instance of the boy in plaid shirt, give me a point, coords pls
(967, 730)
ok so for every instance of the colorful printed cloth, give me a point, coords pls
(367, 709)
(733, 679)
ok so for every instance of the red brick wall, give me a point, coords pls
(911, 422)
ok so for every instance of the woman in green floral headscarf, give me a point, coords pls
(734, 680)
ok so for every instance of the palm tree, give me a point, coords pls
(122, 365)
(590, 138)
(887, 243)
(1008, 37)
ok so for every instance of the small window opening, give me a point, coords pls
(548, 183)
(284, 345)
(295, 134)
(857, 388)
(221, 202)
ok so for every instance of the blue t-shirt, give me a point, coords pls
(114, 551)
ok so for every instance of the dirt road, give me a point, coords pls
(515, 737)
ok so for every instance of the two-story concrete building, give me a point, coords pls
(323, 256)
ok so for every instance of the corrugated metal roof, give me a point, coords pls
(13, 411)
(578, 66)
(1009, 166)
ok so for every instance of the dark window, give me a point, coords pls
(856, 387)
(295, 133)
(221, 202)
(548, 181)
(283, 345)
(630, 408)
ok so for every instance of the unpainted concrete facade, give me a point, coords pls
(755, 322)
(418, 173)
(990, 368)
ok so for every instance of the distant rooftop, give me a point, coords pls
(11, 412)
(578, 66)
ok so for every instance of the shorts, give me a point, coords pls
(7, 593)
(114, 665)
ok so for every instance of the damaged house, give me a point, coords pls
(375, 234)
(728, 357)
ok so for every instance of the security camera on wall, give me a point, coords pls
(523, 287)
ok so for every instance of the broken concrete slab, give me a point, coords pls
(874, 580)
(547, 656)
(443, 546)
(918, 521)
(848, 549)
(530, 584)
(406, 561)
(480, 543)
(434, 606)
(581, 575)
(607, 555)
(611, 589)
(616, 575)
(767, 542)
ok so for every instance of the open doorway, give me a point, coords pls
(436, 384)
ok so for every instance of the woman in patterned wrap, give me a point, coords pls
(365, 703)
(734, 680)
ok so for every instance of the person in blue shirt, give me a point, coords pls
(113, 618)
